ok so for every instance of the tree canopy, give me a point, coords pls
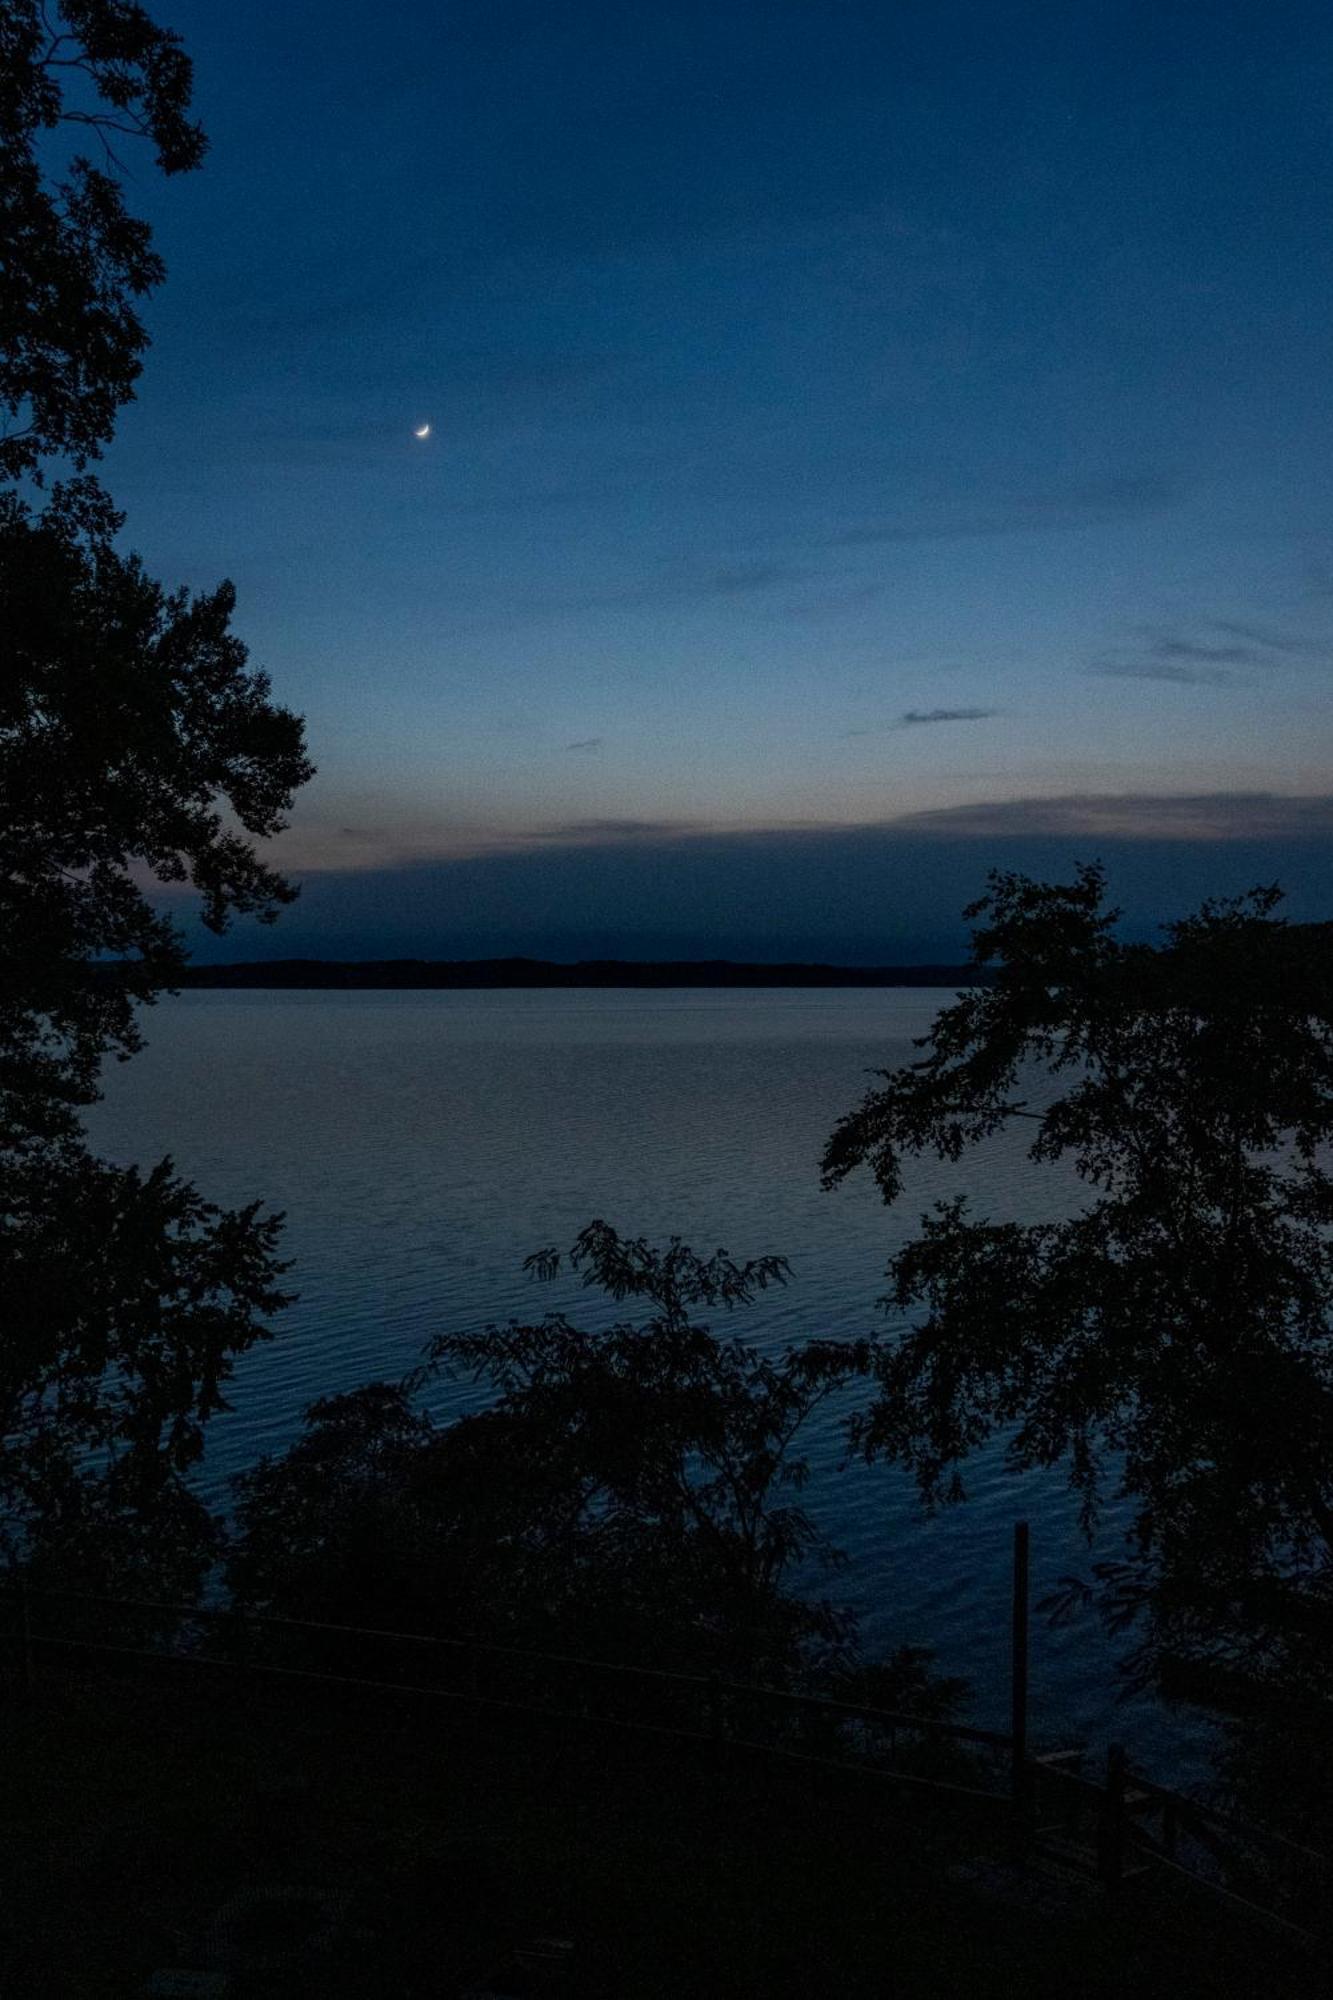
(1173, 1337)
(135, 742)
(127, 1297)
(74, 260)
(631, 1492)
(138, 748)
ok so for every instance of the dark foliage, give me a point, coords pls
(630, 1494)
(127, 1299)
(137, 748)
(135, 742)
(74, 260)
(1175, 1332)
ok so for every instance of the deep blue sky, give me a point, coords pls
(841, 414)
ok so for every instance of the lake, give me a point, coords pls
(421, 1144)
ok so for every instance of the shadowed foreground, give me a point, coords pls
(152, 1826)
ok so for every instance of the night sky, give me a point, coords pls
(869, 444)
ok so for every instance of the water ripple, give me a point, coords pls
(421, 1144)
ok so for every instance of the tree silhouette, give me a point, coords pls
(137, 748)
(631, 1492)
(130, 723)
(1173, 1338)
(74, 259)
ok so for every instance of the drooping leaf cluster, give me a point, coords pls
(1177, 1327)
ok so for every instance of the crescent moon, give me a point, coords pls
(421, 431)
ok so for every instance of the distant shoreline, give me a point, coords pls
(406, 974)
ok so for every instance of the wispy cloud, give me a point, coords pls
(587, 743)
(1194, 650)
(1209, 816)
(1180, 673)
(913, 718)
(1205, 657)
(620, 829)
(1258, 636)
(1120, 497)
(698, 586)
(918, 718)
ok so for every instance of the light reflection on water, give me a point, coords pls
(422, 1144)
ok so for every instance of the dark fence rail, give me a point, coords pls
(1123, 1825)
(911, 1750)
(1115, 1826)
(1288, 1883)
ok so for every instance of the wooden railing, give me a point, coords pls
(913, 1751)
(1114, 1826)
(1121, 1824)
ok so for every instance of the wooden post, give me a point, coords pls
(715, 1716)
(25, 1638)
(716, 1816)
(1018, 1671)
(1111, 1832)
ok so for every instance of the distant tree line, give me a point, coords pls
(469, 973)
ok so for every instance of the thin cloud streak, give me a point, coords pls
(919, 718)
(915, 718)
(1271, 642)
(1203, 816)
(1126, 497)
(1176, 673)
(725, 580)
(1182, 659)
(577, 831)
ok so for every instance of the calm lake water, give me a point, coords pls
(421, 1144)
